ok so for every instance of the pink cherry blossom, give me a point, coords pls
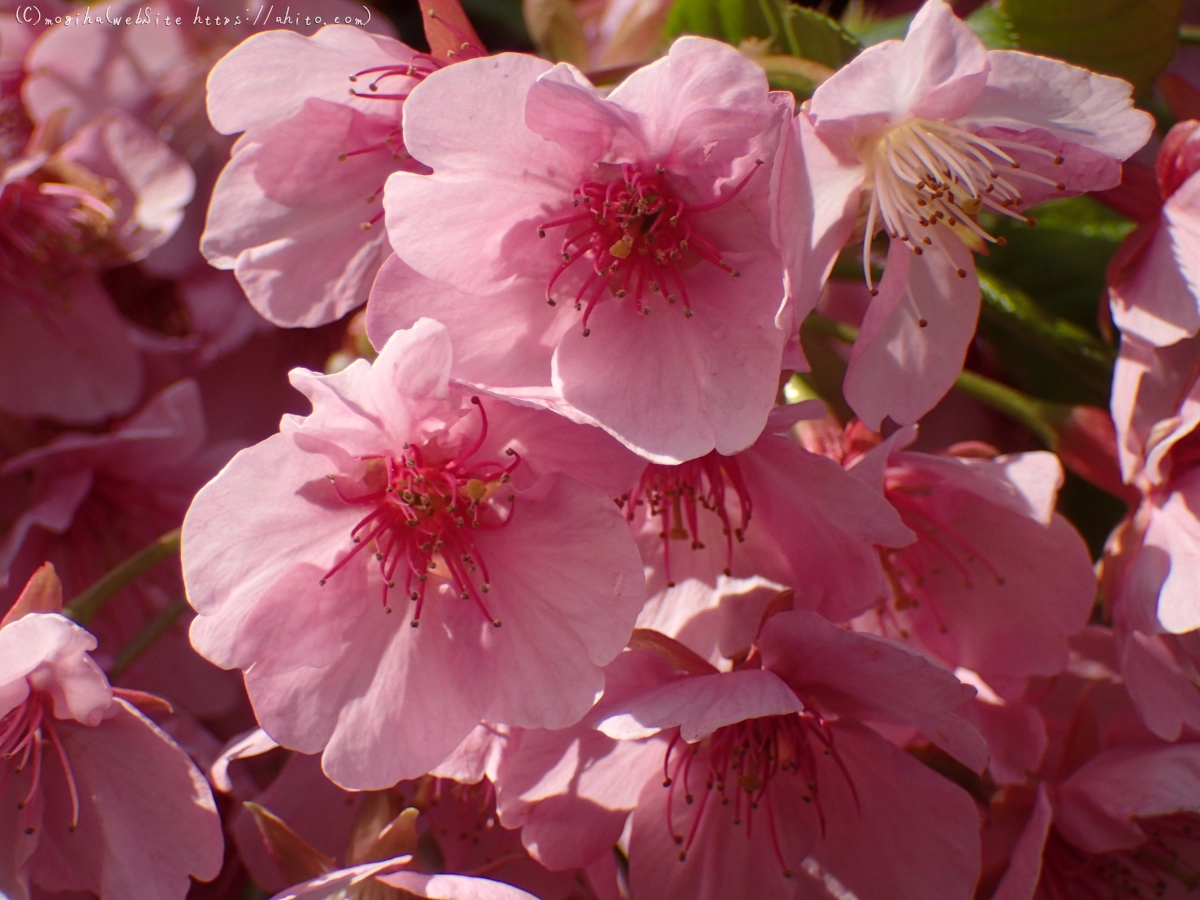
(110, 194)
(397, 461)
(934, 129)
(775, 511)
(657, 320)
(1150, 565)
(86, 502)
(296, 213)
(997, 581)
(1154, 280)
(1088, 804)
(96, 797)
(752, 781)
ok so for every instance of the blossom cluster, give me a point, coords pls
(609, 542)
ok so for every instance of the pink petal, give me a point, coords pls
(671, 388)
(332, 883)
(500, 341)
(142, 829)
(453, 887)
(287, 214)
(281, 525)
(937, 72)
(898, 367)
(702, 704)
(1024, 870)
(49, 652)
(1150, 297)
(698, 106)
(1098, 803)
(873, 678)
(819, 197)
(73, 361)
(1156, 668)
(1073, 104)
(268, 76)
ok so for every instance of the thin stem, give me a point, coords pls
(144, 639)
(1189, 34)
(85, 606)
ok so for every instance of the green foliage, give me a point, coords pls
(868, 31)
(1061, 261)
(791, 30)
(808, 34)
(1132, 39)
(993, 28)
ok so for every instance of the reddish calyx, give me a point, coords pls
(424, 510)
(636, 237)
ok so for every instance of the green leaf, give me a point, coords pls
(790, 73)
(1068, 345)
(1061, 262)
(868, 30)
(695, 17)
(1132, 39)
(993, 28)
(808, 34)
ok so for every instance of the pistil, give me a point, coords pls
(634, 237)
(422, 515)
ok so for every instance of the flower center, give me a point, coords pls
(49, 222)
(633, 236)
(1170, 855)
(24, 734)
(677, 494)
(926, 173)
(743, 760)
(424, 511)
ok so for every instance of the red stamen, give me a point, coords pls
(424, 514)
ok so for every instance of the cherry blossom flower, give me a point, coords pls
(96, 798)
(1085, 803)
(462, 535)
(996, 581)
(110, 194)
(615, 255)
(1150, 565)
(932, 131)
(757, 779)
(296, 214)
(1154, 280)
(775, 511)
(86, 502)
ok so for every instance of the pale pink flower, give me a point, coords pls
(996, 581)
(769, 775)
(273, 561)
(617, 255)
(110, 194)
(1154, 279)
(1150, 567)
(933, 130)
(1085, 803)
(296, 214)
(775, 511)
(87, 502)
(456, 829)
(95, 797)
